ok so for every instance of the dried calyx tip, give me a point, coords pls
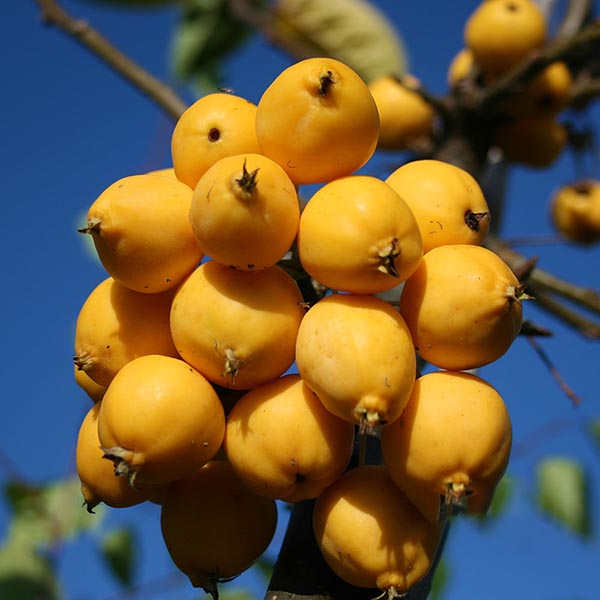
(474, 220)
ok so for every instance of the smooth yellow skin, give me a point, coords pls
(371, 535)
(142, 233)
(213, 526)
(405, 118)
(501, 33)
(243, 220)
(534, 142)
(455, 430)
(284, 444)
(97, 475)
(356, 353)
(547, 94)
(94, 390)
(460, 66)
(575, 211)
(166, 172)
(461, 307)
(116, 324)
(317, 131)
(444, 199)
(162, 418)
(238, 328)
(351, 229)
(215, 126)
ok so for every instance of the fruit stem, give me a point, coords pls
(474, 220)
(232, 364)
(325, 83)
(247, 182)
(387, 257)
(93, 226)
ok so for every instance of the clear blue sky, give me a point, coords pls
(71, 127)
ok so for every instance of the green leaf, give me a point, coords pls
(594, 432)
(207, 34)
(352, 31)
(562, 494)
(236, 594)
(25, 573)
(119, 552)
(502, 496)
(49, 513)
(440, 580)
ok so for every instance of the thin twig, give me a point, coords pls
(159, 92)
(560, 380)
(529, 68)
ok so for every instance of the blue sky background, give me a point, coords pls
(71, 127)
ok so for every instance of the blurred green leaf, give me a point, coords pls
(594, 431)
(562, 493)
(236, 594)
(207, 33)
(136, 3)
(49, 513)
(440, 580)
(25, 573)
(119, 552)
(502, 496)
(352, 31)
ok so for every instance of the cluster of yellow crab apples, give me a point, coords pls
(221, 389)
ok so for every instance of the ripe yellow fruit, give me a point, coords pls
(357, 235)
(166, 172)
(462, 306)
(142, 233)
(575, 211)
(355, 352)
(245, 212)
(406, 119)
(213, 526)
(534, 142)
(318, 120)
(447, 202)
(501, 33)
(160, 420)
(371, 535)
(94, 390)
(215, 126)
(284, 444)
(238, 328)
(451, 445)
(116, 324)
(460, 66)
(547, 94)
(98, 480)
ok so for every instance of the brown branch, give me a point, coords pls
(544, 287)
(575, 16)
(560, 380)
(561, 50)
(82, 32)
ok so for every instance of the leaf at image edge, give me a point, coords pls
(352, 31)
(118, 549)
(562, 494)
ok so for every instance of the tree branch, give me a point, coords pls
(163, 95)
